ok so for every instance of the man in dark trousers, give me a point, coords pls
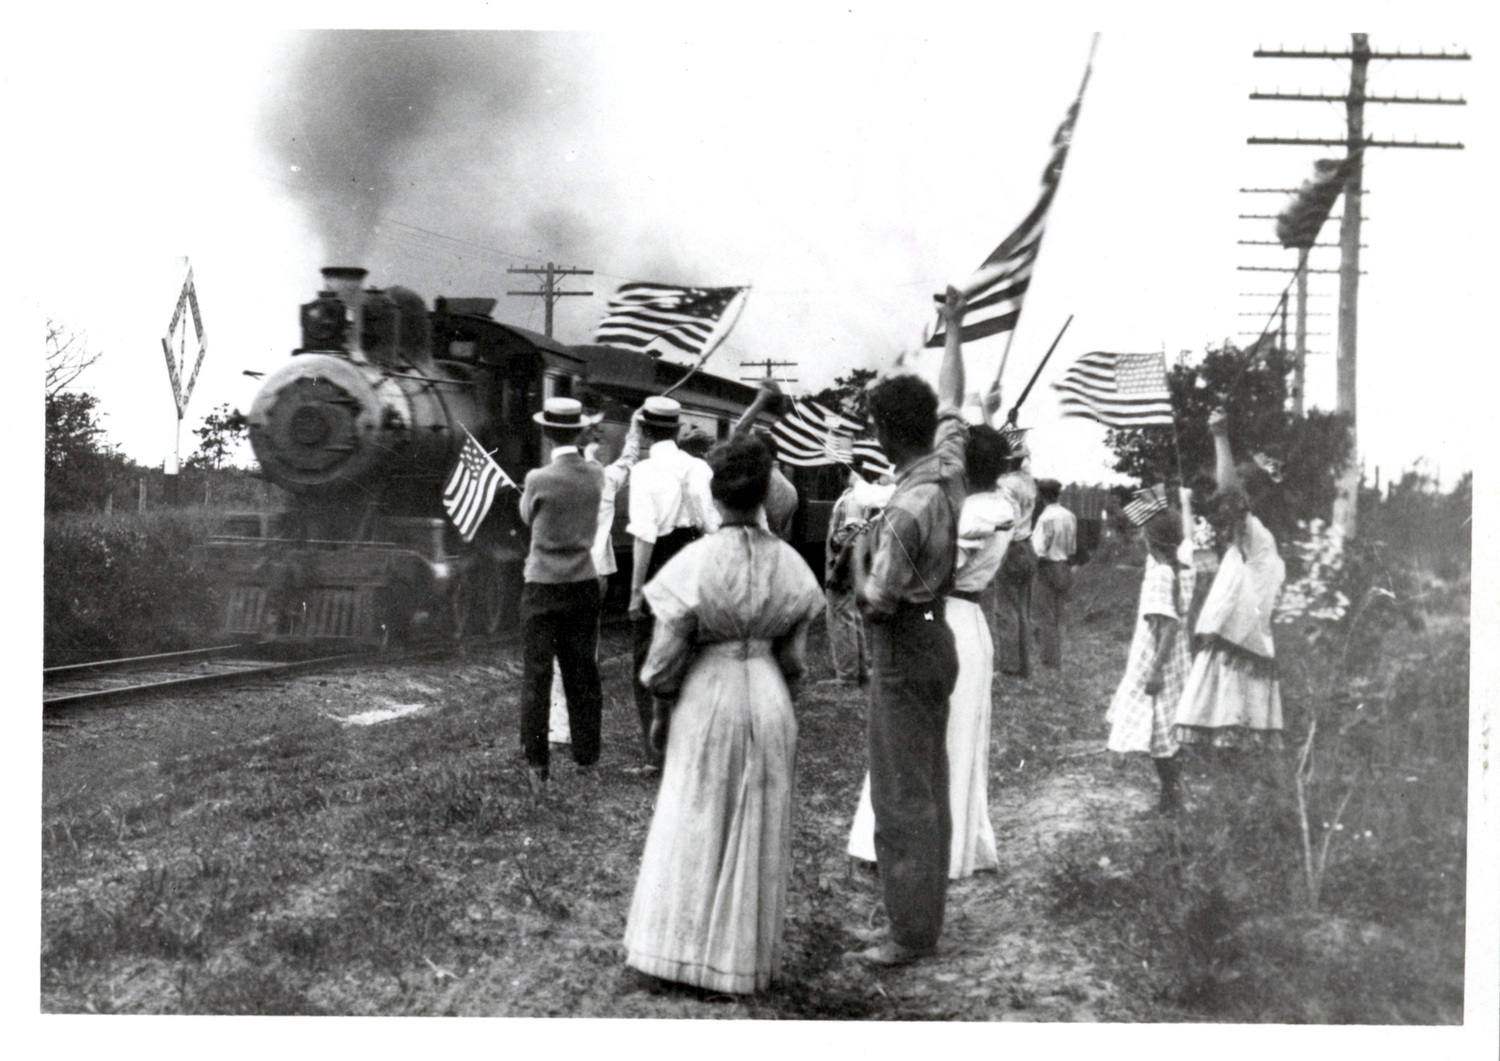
(1055, 540)
(560, 602)
(671, 505)
(914, 552)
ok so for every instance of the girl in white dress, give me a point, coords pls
(1232, 697)
(732, 611)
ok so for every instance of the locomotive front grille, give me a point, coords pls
(245, 611)
(340, 612)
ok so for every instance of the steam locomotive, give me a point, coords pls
(361, 428)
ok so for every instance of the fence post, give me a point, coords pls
(109, 503)
(140, 495)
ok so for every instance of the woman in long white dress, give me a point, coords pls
(984, 534)
(1232, 697)
(732, 611)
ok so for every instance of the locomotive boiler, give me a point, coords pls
(361, 428)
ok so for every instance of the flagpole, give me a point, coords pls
(722, 334)
(1016, 409)
(1088, 69)
(1255, 347)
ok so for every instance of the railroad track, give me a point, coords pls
(117, 679)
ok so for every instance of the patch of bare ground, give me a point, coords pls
(363, 842)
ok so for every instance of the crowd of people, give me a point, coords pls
(957, 567)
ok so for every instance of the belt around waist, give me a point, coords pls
(905, 610)
(973, 596)
(746, 649)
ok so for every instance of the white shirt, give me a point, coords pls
(615, 474)
(984, 531)
(1020, 487)
(1056, 534)
(668, 490)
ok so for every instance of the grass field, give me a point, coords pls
(260, 851)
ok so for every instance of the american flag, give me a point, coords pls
(1148, 502)
(1118, 390)
(471, 487)
(812, 435)
(996, 289)
(661, 318)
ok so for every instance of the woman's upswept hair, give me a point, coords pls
(742, 472)
(985, 456)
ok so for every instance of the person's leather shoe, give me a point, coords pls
(887, 955)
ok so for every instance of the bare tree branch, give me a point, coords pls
(67, 356)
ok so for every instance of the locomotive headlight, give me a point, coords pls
(441, 571)
(323, 324)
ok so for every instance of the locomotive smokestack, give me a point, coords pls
(347, 282)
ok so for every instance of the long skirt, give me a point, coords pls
(711, 895)
(1231, 698)
(968, 740)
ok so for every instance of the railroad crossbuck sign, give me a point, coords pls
(177, 361)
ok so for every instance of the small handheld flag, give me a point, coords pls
(1148, 502)
(471, 487)
(1118, 390)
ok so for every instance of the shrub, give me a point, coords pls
(115, 586)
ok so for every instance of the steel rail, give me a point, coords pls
(252, 668)
(72, 670)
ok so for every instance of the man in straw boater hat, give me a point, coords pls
(561, 599)
(671, 504)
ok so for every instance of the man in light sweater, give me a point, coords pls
(616, 475)
(561, 599)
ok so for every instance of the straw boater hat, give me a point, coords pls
(565, 413)
(660, 412)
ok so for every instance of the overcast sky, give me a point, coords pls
(844, 169)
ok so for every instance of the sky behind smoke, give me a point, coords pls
(845, 172)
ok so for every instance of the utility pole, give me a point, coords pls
(549, 293)
(768, 365)
(1346, 502)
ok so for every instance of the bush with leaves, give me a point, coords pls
(114, 586)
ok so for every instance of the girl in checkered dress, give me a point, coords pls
(1142, 712)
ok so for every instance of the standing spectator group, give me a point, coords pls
(720, 605)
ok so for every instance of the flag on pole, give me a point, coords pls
(996, 289)
(471, 487)
(1305, 212)
(661, 318)
(812, 435)
(1118, 390)
(1148, 502)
